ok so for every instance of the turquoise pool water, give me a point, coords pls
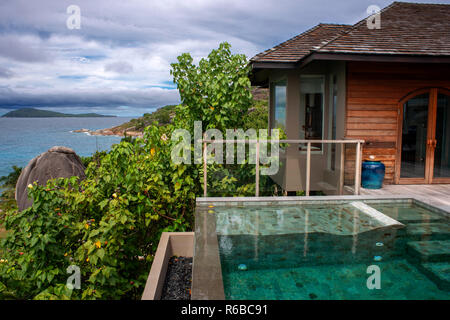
(323, 251)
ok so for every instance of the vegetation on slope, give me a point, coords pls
(161, 116)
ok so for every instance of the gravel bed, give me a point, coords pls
(177, 285)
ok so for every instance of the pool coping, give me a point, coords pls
(207, 282)
(202, 201)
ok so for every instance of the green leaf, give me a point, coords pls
(93, 259)
(103, 203)
(101, 253)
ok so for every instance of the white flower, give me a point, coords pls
(30, 186)
(164, 137)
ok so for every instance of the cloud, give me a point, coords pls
(107, 98)
(6, 73)
(119, 67)
(72, 77)
(23, 49)
(123, 51)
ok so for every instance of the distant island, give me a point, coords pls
(36, 113)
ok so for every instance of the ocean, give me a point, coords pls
(22, 139)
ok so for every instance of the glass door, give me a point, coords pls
(441, 139)
(424, 141)
(414, 139)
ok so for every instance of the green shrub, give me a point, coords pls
(7, 191)
(109, 224)
(96, 157)
(257, 116)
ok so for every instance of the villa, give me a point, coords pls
(388, 86)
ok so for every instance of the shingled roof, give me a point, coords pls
(406, 29)
(298, 47)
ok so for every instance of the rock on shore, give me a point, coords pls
(116, 131)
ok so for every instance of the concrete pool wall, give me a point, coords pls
(170, 244)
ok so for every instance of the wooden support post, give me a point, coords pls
(308, 168)
(204, 171)
(361, 145)
(342, 168)
(358, 168)
(257, 170)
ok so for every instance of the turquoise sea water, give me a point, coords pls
(327, 258)
(22, 139)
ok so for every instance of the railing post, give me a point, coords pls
(257, 170)
(204, 170)
(342, 168)
(358, 168)
(308, 168)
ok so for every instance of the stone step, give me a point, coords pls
(433, 229)
(408, 214)
(438, 272)
(429, 251)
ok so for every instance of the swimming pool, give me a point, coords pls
(323, 249)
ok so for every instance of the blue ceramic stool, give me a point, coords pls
(372, 174)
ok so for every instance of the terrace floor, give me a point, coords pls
(433, 194)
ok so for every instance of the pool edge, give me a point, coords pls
(207, 283)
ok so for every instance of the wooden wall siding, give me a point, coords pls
(373, 92)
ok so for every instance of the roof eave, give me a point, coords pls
(373, 57)
(369, 57)
(273, 65)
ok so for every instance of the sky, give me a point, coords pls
(118, 61)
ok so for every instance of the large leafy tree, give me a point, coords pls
(215, 92)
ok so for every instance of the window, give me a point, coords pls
(311, 109)
(279, 104)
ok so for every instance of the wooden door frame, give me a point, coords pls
(434, 180)
(431, 135)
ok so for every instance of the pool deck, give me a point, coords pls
(437, 195)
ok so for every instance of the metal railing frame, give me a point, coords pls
(358, 160)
